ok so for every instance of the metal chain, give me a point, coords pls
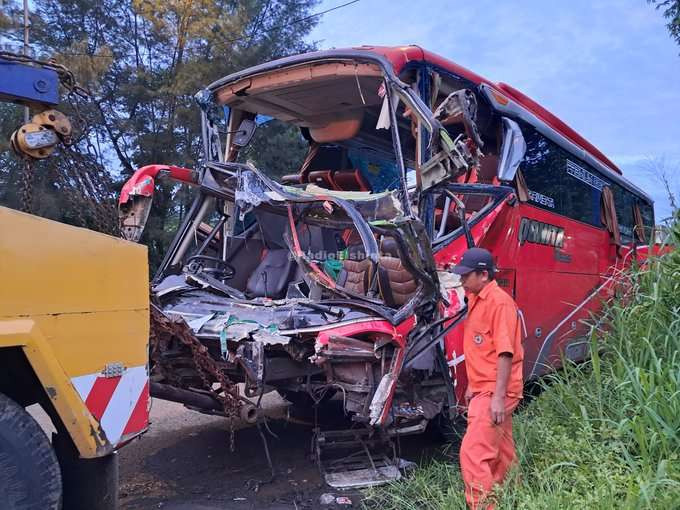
(95, 186)
(82, 126)
(85, 174)
(98, 180)
(232, 435)
(27, 188)
(207, 368)
(71, 196)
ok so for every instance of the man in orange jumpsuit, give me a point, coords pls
(493, 359)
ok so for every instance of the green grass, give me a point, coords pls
(604, 434)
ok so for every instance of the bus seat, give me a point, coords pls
(396, 284)
(488, 169)
(290, 179)
(355, 275)
(322, 178)
(350, 180)
(271, 276)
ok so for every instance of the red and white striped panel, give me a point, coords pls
(120, 404)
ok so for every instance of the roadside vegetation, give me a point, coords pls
(602, 435)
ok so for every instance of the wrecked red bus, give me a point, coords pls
(332, 277)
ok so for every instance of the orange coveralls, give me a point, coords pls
(487, 452)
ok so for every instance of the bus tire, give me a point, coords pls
(29, 471)
(445, 429)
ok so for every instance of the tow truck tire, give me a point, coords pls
(29, 472)
(88, 483)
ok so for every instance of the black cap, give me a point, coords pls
(473, 259)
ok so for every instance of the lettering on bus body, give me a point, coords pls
(537, 232)
(565, 185)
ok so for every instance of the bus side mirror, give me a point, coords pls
(245, 132)
(512, 151)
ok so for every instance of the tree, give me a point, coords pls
(667, 176)
(143, 61)
(671, 11)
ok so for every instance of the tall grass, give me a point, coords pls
(603, 434)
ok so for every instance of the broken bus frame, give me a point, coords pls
(411, 160)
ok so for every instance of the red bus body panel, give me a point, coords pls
(560, 291)
(401, 56)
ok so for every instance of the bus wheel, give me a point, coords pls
(446, 429)
(29, 471)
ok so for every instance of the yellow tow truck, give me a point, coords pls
(74, 329)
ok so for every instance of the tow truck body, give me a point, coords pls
(74, 329)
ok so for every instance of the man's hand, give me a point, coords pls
(468, 395)
(497, 408)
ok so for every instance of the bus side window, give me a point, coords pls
(557, 181)
(624, 202)
(647, 212)
(609, 214)
(446, 219)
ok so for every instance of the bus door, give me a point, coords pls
(556, 278)
(562, 247)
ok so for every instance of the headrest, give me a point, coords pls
(343, 126)
(388, 246)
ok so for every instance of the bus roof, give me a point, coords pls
(400, 56)
(394, 59)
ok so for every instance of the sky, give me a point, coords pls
(609, 68)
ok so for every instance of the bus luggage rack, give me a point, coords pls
(356, 457)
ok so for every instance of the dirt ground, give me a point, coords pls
(184, 463)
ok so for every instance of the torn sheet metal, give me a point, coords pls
(238, 332)
(267, 337)
(286, 316)
(254, 188)
(235, 330)
(380, 397)
(384, 119)
(197, 324)
(360, 478)
(342, 348)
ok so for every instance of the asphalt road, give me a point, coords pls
(184, 463)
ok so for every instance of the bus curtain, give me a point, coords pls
(522, 188)
(639, 224)
(608, 214)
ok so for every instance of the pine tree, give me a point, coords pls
(143, 61)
